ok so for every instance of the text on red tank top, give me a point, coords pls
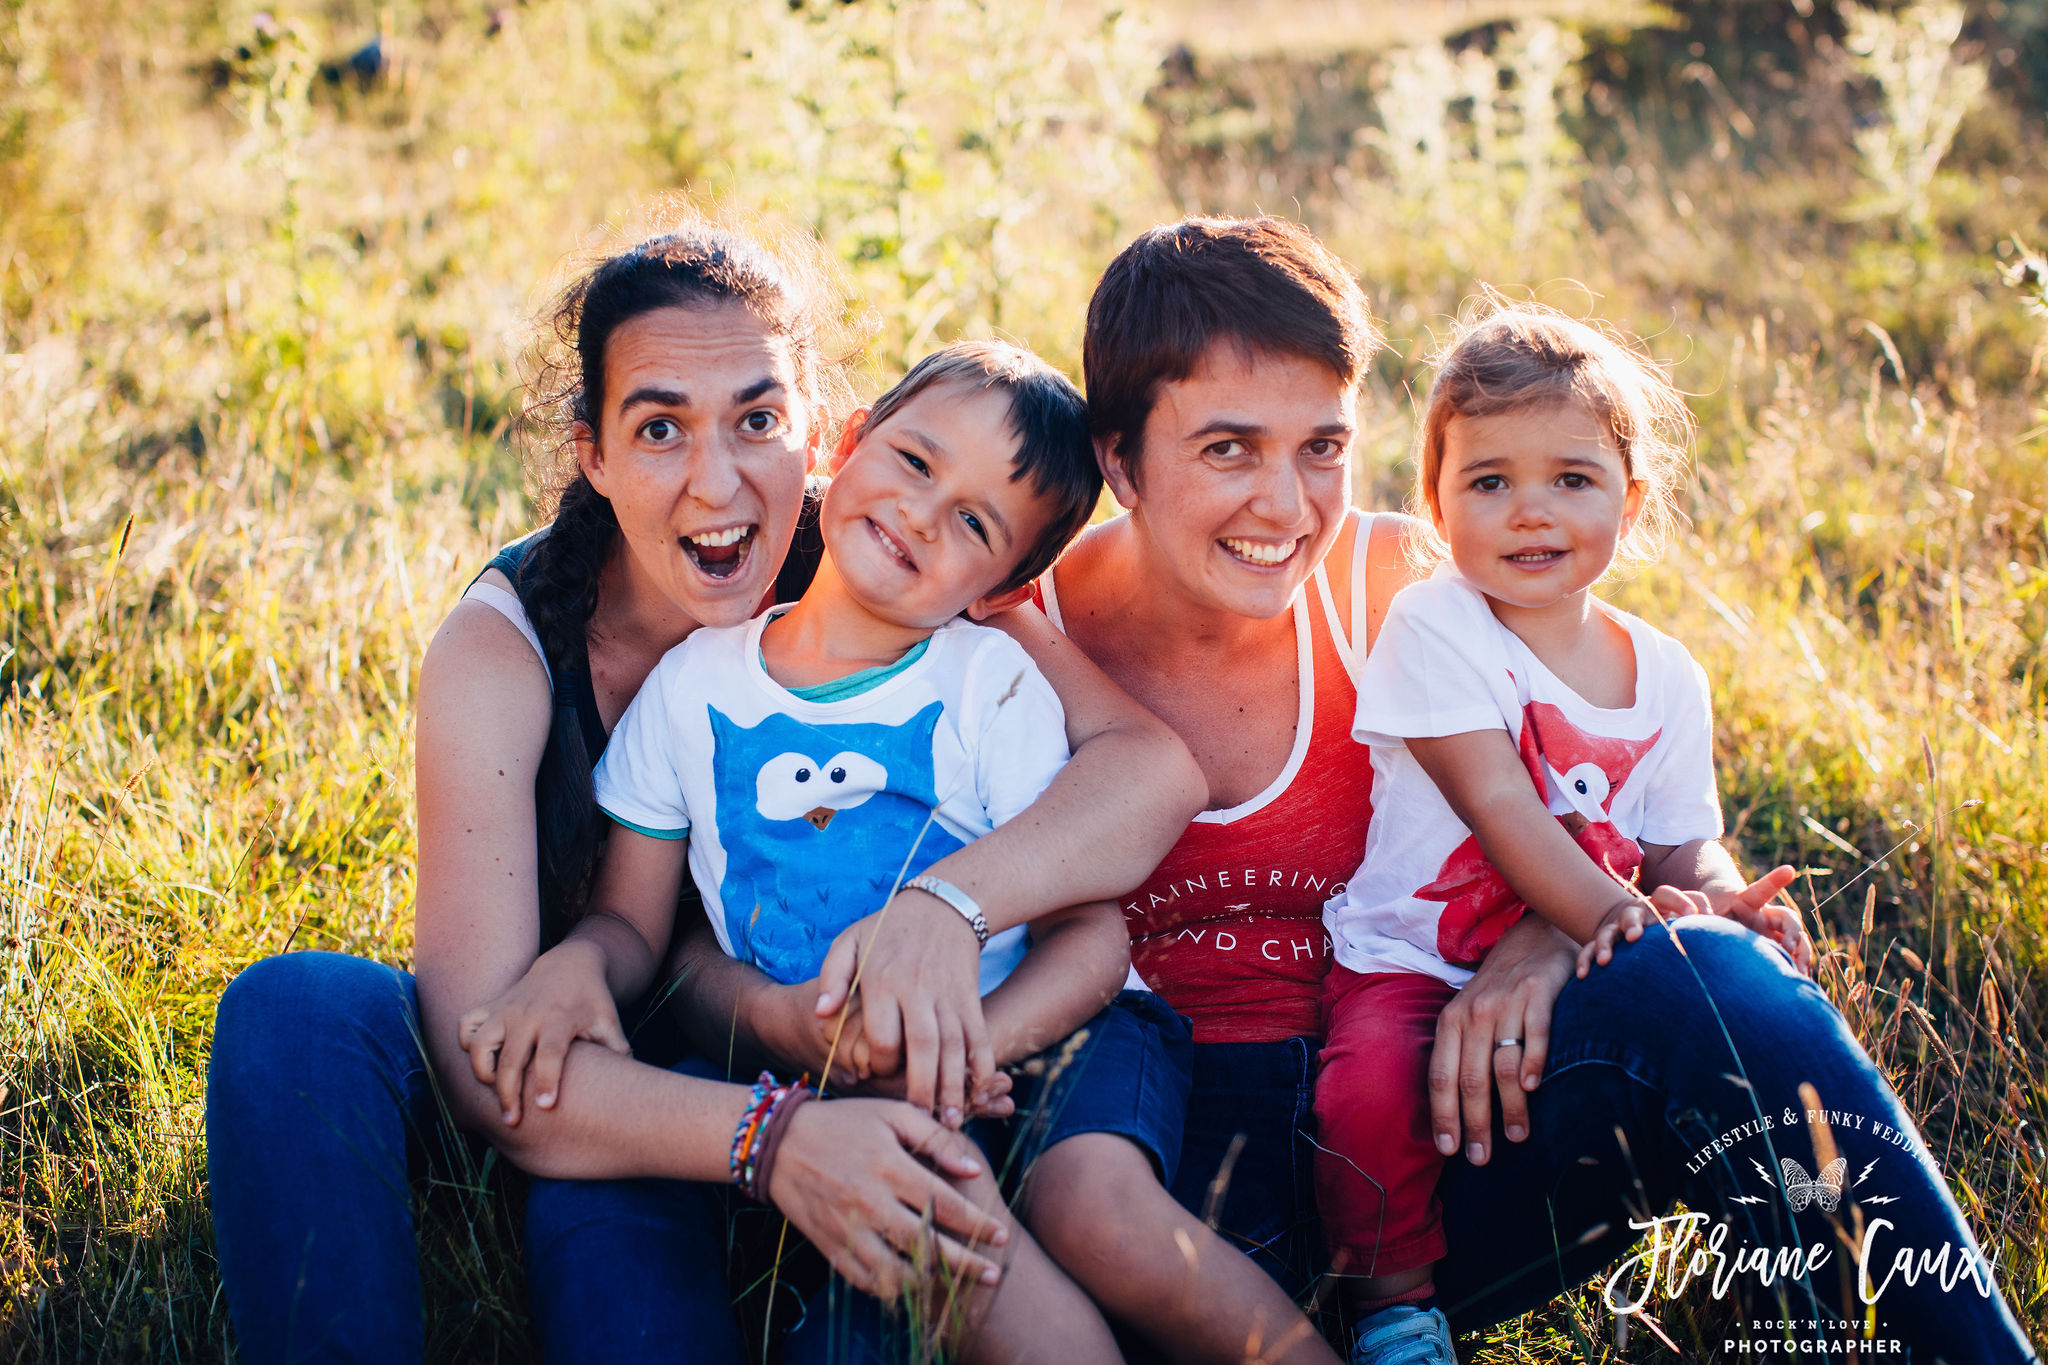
(1228, 929)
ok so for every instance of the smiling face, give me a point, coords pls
(923, 519)
(1533, 502)
(1244, 477)
(702, 450)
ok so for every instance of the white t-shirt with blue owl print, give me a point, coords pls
(801, 815)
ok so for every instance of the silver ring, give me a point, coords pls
(1500, 1043)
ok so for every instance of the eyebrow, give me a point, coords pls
(647, 393)
(1243, 426)
(1568, 461)
(676, 398)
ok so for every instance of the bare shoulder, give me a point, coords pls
(481, 678)
(1393, 559)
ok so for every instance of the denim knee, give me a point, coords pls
(315, 993)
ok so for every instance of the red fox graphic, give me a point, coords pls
(1479, 905)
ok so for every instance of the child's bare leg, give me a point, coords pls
(1036, 1314)
(1098, 1209)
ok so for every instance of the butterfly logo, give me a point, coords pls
(1824, 1190)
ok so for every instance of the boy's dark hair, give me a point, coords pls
(1050, 421)
(1265, 283)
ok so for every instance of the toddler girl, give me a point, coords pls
(1532, 748)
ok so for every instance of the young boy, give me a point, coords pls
(820, 753)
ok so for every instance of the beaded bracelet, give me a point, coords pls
(768, 1102)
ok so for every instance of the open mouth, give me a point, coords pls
(1264, 554)
(721, 553)
(1535, 559)
(890, 545)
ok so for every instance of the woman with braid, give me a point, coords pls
(693, 398)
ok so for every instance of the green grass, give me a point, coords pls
(259, 339)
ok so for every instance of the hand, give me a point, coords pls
(1755, 907)
(866, 1181)
(1509, 997)
(799, 1039)
(1624, 922)
(561, 998)
(919, 978)
(991, 1100)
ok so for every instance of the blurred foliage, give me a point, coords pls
(265, 278)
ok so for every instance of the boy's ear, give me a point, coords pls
(1115, 473)
(849, 437)
(996, 603)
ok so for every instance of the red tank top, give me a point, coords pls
(1228, 929)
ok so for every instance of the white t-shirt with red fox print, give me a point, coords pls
(1425, 899)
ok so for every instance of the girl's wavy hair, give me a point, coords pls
(783, 278)
(1524, 355)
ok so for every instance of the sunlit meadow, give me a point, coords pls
(264, 286)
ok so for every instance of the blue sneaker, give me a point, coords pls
(1404, 1335)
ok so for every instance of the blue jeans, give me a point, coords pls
(1653, 1058)
(320, 1114)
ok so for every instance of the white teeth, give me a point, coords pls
(713, 540)
(1258, 551)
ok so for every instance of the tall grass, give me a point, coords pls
(259, 318)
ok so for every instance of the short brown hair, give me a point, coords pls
(1049, 421)
(1523, 355)
(1266, 284)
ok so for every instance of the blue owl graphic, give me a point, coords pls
(817, 821)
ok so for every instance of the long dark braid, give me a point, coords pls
(790, 289)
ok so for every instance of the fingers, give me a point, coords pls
(548, 1051)
(1760, 892)
(1675, 904)
(1443, 1079)
(952, 1081)
(949, 1151)
(512, 1059)
(835, 978)
(1507, 1080)
(482, 1037)
(921, 1053)
(992, 1099)
(606, 1031)
(884, 1032)
(1535, 1039)
(1475, 1094)
(981, 1052)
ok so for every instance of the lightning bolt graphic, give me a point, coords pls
(1881, 1199)
(1745, 1199)
(1866, 1171)
(1764, 1173)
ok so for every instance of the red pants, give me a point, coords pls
(1377, 1167)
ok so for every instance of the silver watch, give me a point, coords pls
(955, 897)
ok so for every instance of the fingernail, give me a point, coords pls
(823, 1000)
(1000, 1237)
(1446, 1144)
(952, 1117)
(510, 1117)
(1475, 1152)
(991, 1275)
(1516, 1132)
(1530, 1080)
(546, 1101)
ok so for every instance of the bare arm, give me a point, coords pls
(1482, 777)
(1098, 830)
(1078, 961)
(854, 1186)
(1108, 818)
